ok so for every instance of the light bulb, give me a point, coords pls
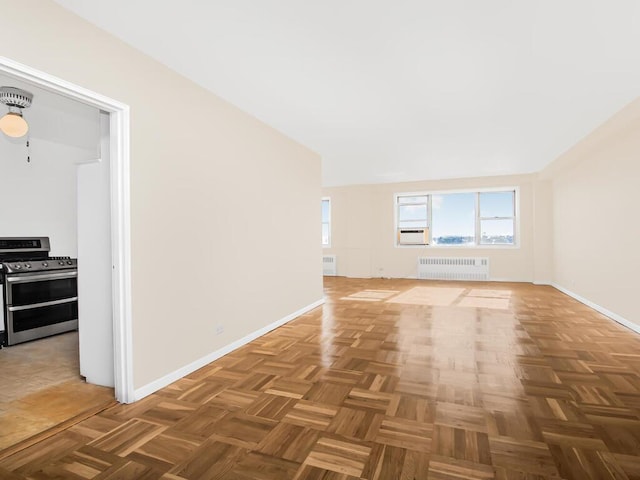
(13, 125)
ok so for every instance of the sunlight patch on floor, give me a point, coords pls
(454, 297)
(481, 292)
(484, 302)
(432, 296)
(371, 295)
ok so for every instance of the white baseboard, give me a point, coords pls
(168, 379)
(614, 316)
(543, 282)
(415, 277)
(505, 280)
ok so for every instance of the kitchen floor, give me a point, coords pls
(41, 387)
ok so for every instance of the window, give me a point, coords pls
(460, 218)
(497, 218)
(413, 212)
(326, 222)
(453, 219)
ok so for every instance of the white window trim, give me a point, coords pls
(479, 219)
(477, 191)
(428, 205)
(327, 245)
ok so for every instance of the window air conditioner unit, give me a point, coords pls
(413, 236)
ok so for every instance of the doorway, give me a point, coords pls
(118, 188)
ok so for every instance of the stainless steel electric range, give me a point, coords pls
(39, 293)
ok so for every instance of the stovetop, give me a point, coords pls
(30, 254)
(38, 264)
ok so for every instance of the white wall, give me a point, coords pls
(95, 313)
(39, 197)
(595, 197)
(219, 190)
(363, 233)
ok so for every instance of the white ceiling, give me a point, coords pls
(406, 89)
(53, 118)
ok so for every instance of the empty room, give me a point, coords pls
(340, 240)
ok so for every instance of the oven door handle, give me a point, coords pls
(43, 304)
(41, 278)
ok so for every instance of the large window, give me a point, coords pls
(453, 219)
(460, 218)
(326, 222)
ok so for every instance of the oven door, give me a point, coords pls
(32, 288)
(40, 304)
(41, 320)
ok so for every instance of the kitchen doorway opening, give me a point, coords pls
(118, 190)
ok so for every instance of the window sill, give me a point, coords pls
(462, 247)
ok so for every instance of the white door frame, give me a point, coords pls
(120, 212)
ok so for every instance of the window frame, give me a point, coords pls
(328, 223)
(480, 218)
(475, 213)
(477, 192)
(427, 204)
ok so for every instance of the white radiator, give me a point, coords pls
(453, 268)
(329, 267)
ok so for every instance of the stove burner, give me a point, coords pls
(30, 255)
(53, 263)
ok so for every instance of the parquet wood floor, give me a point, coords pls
(368, 387)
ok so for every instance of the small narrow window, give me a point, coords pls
(413, 211)
(497, 218)
(412, 227)
(326, 222)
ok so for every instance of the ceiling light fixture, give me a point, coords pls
(12, 124)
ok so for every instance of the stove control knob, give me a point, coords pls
(69, 262)
(27, 265)
(45, 264)
(17, 266)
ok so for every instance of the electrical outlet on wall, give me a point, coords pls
(219, 329)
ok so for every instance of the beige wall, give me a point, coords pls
(363, 233)
(222, 178)
(542, 231)
(595, 188)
